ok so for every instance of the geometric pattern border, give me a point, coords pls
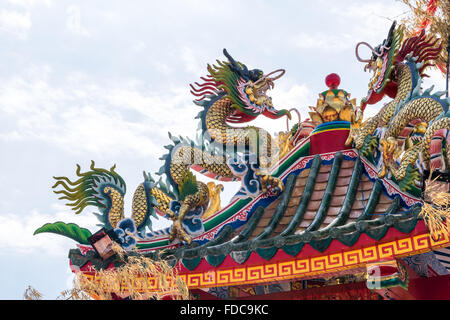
(296, 268)
(305, 267)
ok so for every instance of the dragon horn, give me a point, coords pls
(390, 34)
(234, 65)
(230, 58)
(357, 53)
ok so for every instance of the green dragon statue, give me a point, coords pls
(230, 93)
(398, 65)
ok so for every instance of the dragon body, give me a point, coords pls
(230, 93)
(398, 65)
(422, 148)
(386, 113)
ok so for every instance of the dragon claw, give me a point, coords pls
(383, 172)
(267, 181)
(177, 231)
(390, 151)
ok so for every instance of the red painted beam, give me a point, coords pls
(434, 288)
(351, 291)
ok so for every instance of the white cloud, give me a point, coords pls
(368, 20)
(139, 46)
(73, 22)
(15, 22)
(162, 67)
(191, 62)
(16, 231)
(29, 3)
(79, 116)
(436, 78)
(321, 41)
(297, 96)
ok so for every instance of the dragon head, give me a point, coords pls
(382, 63)
(417, 50)
(247, 89)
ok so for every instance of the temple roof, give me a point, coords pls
(327, 204)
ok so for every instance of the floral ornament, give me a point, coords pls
(126, 233)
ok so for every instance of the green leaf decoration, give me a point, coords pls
(407, 183)
(188, 185)
(70, 230)
(294, 129)
(370, 143)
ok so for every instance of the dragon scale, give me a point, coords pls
(404, 79)
(117, 212)
(423, 147)
(425, 109)
(185, 156)
(224, 134)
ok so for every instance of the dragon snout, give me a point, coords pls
(370, 66)
(289, 115)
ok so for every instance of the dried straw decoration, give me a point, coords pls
(436, 209)
(139, 278)
(32, 294)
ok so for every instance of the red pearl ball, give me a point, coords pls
(332, 80)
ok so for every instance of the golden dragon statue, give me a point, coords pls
(413, 116)
(229, 94)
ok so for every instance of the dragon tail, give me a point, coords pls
(104, 189)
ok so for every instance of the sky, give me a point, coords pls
(107, 80)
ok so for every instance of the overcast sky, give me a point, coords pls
(106, 81)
